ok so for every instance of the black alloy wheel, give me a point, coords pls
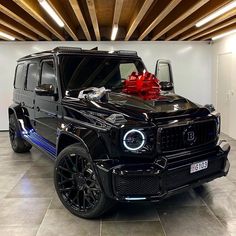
(76, 183)
(18, 144)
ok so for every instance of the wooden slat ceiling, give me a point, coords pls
(26, 20)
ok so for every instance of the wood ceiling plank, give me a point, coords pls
(191, 21)
(222, 31)
(137, 18)
(117, 11)
(79, 15)
(12, 10)
(12, 33)
(34, 9)
(216, 21)
(216, 28)
(93, 16)
(159, 18)
(68, 24)
(175, 19)
(13, 25)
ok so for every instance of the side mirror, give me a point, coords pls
(163, 72)
(45, 90)
(166, 86)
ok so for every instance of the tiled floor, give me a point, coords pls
(29, 205)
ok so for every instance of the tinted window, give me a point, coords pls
(90, 71)
(31, 80)
(48, 73)
(20, 76)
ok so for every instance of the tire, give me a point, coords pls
(18, 144)
(77, 185)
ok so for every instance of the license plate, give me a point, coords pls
(195, 167)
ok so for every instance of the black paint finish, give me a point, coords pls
(52, 123)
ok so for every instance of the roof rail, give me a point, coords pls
(56, 49)
(128, 52)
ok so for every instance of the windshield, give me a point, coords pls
(80, 72)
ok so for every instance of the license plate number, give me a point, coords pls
(195, 167)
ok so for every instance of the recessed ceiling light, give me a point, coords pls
(114, 32)
(51, 12)
(6, 36)
(224, 34)
(217, 13)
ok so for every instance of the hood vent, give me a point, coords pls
(117, 119)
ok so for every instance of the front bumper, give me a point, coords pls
(164, 177)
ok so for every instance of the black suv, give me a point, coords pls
(108, 145)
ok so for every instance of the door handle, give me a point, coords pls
(38, 109)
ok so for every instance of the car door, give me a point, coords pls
(46, 106)
(28, 94)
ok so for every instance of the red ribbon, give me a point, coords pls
(144, 85)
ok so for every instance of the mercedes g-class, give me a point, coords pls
(115, 131)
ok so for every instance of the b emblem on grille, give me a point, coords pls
(190, 136)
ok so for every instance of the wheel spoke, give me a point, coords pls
(65, 169)
(66, 181)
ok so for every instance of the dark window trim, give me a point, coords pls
(26, 78)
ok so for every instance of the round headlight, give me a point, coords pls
(134, 140)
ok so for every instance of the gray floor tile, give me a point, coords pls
(218, 185)
(33, 188)
(22, 212)
(133, 212)
(14, 167)
(4, 142)
(7, 182)
(222, 204)
(60, 222)
(135, 228)
(56, 203)
(189, 198)
(18, 231)
(192, 221)
(40, 172)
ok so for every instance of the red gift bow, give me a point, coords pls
(144, 85)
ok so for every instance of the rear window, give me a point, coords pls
(31, 80)
(20, 77)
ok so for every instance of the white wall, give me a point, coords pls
(191, 62)
(223, 46)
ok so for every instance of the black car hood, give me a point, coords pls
(133, 107)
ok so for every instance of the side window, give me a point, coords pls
(20, 77)
(48, 73)
(31, 79)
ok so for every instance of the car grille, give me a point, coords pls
(186, 136)
(136, 185)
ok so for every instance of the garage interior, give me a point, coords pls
(198, 37)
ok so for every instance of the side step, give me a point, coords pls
(39, 141)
